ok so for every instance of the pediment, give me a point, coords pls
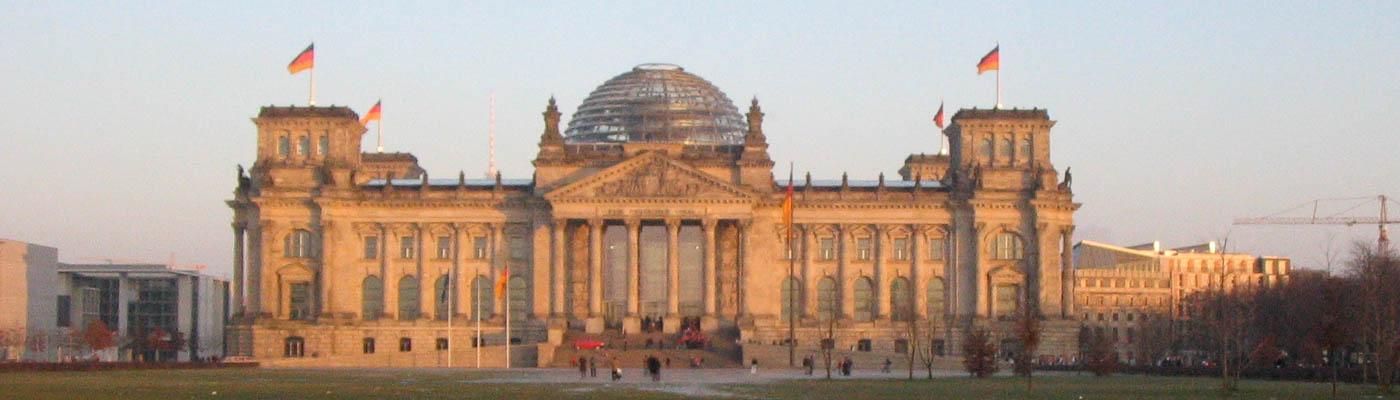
(650, 176)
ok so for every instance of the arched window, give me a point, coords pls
(935, 298)
(826, 299)
(519, 303)
(986, 150)
(1025, 154)
(1007, 246)
(1006, 150)
(372, 298)
(324, 145)
(481, 297)
(865, 300)
(792, 295)
(441, 298)
(409, 307)
(298, 244)
(901, 309)
(294, 346)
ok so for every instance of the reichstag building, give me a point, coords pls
(654, 211)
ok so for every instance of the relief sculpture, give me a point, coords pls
(656, 179)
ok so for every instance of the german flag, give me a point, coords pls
(304, 61)
(373, 114)
(938, 118)
(501, 283)
(991, 61)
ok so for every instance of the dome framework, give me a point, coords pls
(657, 103)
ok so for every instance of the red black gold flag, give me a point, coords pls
(502, 282)
(990, 62)
(373, 114)
(938, 118)
(304, 61)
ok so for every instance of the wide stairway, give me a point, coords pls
(632, 351)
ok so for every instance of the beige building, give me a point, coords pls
(657, 202)
(1120, 289)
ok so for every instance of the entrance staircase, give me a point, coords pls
(631, 351)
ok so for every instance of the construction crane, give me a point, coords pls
(1336, 218)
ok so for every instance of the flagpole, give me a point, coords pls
(451, 303)
(998, 85)
(507, 300)
(476, 341)
(379, 134)
(313, 86)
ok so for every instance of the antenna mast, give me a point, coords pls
(491, 141)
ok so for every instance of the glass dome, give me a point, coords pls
(657, 103)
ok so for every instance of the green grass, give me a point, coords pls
(444, 384)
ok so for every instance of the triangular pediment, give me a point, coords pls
(650, 175)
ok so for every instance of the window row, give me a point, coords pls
(1124, 283)
(410, 302)
(1004, 153)
(901, 302)
(408, 247)
(864, 249)
(303, 148)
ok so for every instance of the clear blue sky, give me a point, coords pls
(120, 124)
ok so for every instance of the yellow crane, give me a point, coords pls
(1335, 218)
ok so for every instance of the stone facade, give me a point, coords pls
(1120, 290)
(336, 246)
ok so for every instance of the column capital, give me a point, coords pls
(559, 222)
(596, 222)
(239, 226)
(633, 223)
(709, 224)
(673, 223)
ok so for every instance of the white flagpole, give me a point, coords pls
(998, 75)
(379, 133)
(507, 300)
(313, 85)
(451, 304)
(476, 341)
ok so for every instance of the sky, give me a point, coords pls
(121, 123)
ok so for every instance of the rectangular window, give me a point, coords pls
(936, 249)
(479, 247)
(369, 346)
(828, 248)
(65, 305)
(406, 247)
(405, 345)
(863, 249)
(442, 343)
(324, 145)
(284, 146)
(300, 300)
(444, 247)
(304, 146)
(519, 248)
(901, 249)
(371, 247)
(901, 346)
(863, 345)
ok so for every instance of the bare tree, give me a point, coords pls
(1027, 329)
(928, 354)
(1100, 357)
(979, 353)
(1156, 336)
(1377, 272)
(829, 343)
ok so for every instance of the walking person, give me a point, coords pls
(886, 368)
(753, 366)
(582, 368)
(592, 367)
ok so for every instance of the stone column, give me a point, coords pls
(673, 274)
(918, 287)
(556, 284)
(745, 234)
(881, 285)
(266, 239)
(1067, 271)
(809, 286)
(327, 276)
(595, 276)
(708, 227)
(238, 301)
(632, 323)
(385, 282)
(843, 261)
(425, 286)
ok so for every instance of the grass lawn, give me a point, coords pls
(444, 384)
